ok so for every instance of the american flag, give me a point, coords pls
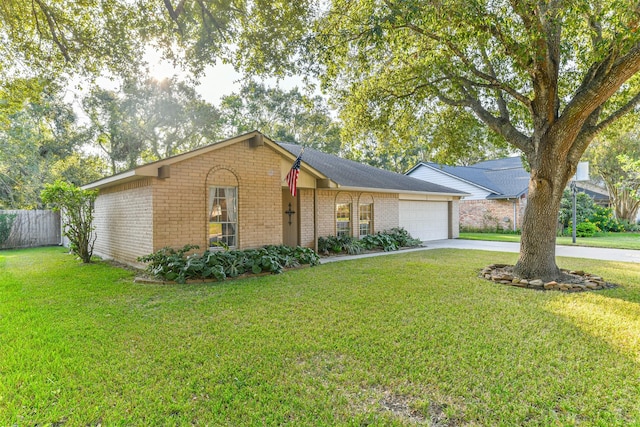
(292, 176)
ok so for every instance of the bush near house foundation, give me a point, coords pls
(388, 240)
(175, 265)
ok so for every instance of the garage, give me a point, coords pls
(425, 220)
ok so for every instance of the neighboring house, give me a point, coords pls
(497, 191)
(235, 192)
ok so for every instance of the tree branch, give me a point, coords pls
(51, 23)
(594, 94)
(174, 13)
(207, 13)
(502, 104)
(492, 80)
(500, 125)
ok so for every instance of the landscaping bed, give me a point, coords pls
(570, 281)
(171, 265)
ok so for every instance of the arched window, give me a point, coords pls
(222, 203)
(365, 214)
(223, 216)
(343, 215)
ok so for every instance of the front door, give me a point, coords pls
(290, 229)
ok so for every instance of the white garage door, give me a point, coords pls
(425, 220)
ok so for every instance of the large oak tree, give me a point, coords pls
(547, 76)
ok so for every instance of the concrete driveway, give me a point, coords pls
(624, 255)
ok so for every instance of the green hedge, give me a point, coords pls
(171, 264)
(388, 240)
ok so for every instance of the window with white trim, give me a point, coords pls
(343, 219)
(223, 216)
(366, 219)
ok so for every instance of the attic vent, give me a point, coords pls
(256, 141)
(164, 172)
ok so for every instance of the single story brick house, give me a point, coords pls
(235, 192)
(498, 190)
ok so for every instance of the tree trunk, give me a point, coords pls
(538, 243)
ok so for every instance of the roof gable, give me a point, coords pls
(505, 178)
(442, 170)
(154, 169)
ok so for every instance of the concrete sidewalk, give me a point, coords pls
(624, 255)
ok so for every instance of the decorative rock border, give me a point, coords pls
(572, 280)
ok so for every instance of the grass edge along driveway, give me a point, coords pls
(404, 339)
(600, 240)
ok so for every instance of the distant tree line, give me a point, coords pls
(49, 137)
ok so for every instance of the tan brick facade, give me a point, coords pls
(491, 214)
(148, 213)
(124, 221)
(385, 210)
(181, 201)
(306, 204)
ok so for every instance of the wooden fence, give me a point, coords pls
(28, 229)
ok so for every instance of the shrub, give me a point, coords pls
(469, 229)
(339, 244)
(585, 208)
(388, 240)
(379, 240)
(628, 226)
(586, 229)
(605, 221)
(76, 206)
(6, 223)
(171, 264)
(402, 237)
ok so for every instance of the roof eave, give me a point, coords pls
(506, 196)
(113, 180)
(396, 190)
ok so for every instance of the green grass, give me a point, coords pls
(600, 240)
(394, 340)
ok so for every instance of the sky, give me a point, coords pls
(217, 81)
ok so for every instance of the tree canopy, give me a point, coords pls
(289, 116)
(45, 37)
(147, 119)
(547, 76)
(39, 143)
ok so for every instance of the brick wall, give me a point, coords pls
(306, 218)
(491, 214)
(454, 219)
(181, 201)
(124, 221)
(385, 210)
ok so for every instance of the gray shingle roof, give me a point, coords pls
(348, 173)
(506, 177)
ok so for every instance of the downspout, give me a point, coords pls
(515, 215)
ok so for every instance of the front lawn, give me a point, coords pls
(600, 240)
(403, 339)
